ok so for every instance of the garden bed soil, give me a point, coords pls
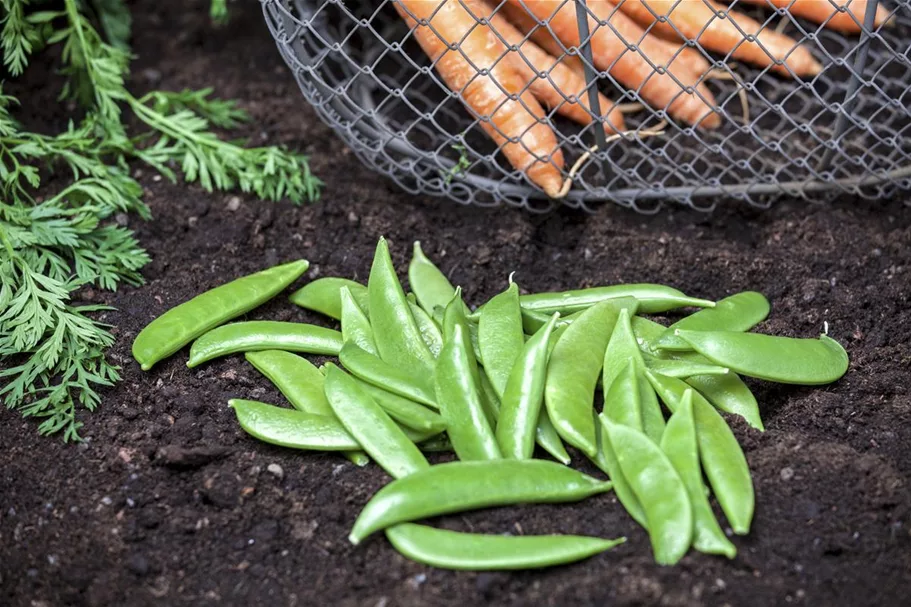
(168, 502)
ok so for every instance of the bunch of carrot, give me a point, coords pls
(507, 60)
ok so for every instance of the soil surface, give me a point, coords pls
(168, 502)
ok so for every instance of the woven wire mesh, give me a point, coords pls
(844, 130)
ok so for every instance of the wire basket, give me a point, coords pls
(845, 130)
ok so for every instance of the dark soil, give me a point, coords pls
(168, 502)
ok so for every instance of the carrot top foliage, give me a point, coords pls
(52, 243)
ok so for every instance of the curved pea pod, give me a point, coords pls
(548, 439)
(182, 324)
(479, 552)
(722, 458)
(323, 295)
(728, 393)
(786, 360)
(395, 331)
(500, 336)
(464, 486)
(622, 348)
(301, 383)
(682, 367)
(429, 284)
(428, 329)
(366, 421)
(606, 461)
(520, 407)
(355, 325)
(299, 429)
(680, 445)
(661, 492)
(573, 372)
(740, 312)
(406, 412)
(376, 371)
(255, 335)
(646, 331)
(533, 321)
(460, 402)
(652, 299)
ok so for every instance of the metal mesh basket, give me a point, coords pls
(847, 129)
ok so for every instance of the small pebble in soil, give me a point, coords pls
(233, 203)
(787, 473)
(276, 471)
(107, 501)
(138, 564)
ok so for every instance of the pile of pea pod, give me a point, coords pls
(421, 372)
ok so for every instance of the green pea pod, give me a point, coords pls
(301, 430)
(740, 312)
(478, 552)
(647, 331)
(573, 372)
(255, 335)
(428, 329)
(520, 407)
(437, 444)
(660, 491)
(722, 458)
(323, 295)
(355, 325)
(532, 321)
(395, 331)
(460, 402)
(490, 400)
(464, 486)
(623, 347)
(652, 298)
(379, 436)
(606, 461)
(427, 281)
(680, 445)
(376, 371)
(500, 336)
(785, 360)
(301, 383)
(548, 439)
(728, 393)
(182, 324)
(406, 412)
(682, 367)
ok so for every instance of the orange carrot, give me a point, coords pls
(610, 47)
(540, 35)
(826, 12)
(696, 20)
(691, 57)
(512, 118)
(562, 88)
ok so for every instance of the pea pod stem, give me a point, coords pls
(182, 324)
(257, 335)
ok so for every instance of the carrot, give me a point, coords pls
(610, 47)
(509, 114)
(562, 88)
(519, 17)
(690, 56)
(696, 20)
(827, 13)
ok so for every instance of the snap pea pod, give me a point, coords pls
(323, 295)
(680, 445)
(548, 439)
(520, 407)
(652, 299)
(366, 421)
(532, 321)
(785, 360)
(682, 367)
(429, 284)
(376, 371)
(428, 329)
(436, 444)
(298, 429)
(460, 401)
(463, 486)
(395, 331)
(500, 336)
(355, 325)
(740, 312)
(183, 323)
(301, 383)
(722, 458)
(405, 411)
(254, 335)
(661, 492)
(478, 552)
(573, 372)
(606, 461)
(621, 348)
